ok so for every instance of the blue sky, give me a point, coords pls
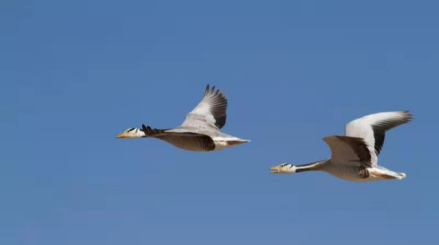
(75, 74)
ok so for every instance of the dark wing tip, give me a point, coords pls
(405, 117)
(380, 129)
(211, 91)
(144, 129)
(408, 116)
(218, 101)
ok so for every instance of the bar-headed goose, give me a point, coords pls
(354, 157)
(201, 129)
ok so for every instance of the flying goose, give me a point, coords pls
(354, 157)
(201, 129)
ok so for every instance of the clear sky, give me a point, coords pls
(75, 74)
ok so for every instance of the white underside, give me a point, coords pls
(221, 143)
(372, 176)
(381, 170)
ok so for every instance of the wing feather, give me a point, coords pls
(184, 140)
(372, 128)
(348, 150)
(210, 112)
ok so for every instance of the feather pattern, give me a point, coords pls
(349, 150)
(184, 140)
(210, 112)
(201, 129)
(372, 128)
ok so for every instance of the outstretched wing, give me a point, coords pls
(348, 150)
(372, 128)
(210, 112)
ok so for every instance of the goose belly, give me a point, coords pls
(190, 144)
(352, 177)
(355, 174)
(349, 173)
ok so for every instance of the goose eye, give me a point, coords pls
(131, 129)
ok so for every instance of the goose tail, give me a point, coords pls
(400, 176)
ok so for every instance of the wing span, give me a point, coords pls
(210, 112)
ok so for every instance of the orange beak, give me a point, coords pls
(122, 135)
(275, 170)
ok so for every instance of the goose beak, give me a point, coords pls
(122, 135)
(275, 170)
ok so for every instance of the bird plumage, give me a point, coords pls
(201, 129)
(355, 156)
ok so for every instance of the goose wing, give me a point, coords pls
(182, 139)
(348, 150)
(372, 128)
(210, 112)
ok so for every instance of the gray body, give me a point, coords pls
(201, 129)
(354, 157)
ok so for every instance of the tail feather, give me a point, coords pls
(237, 142)
(400, 176)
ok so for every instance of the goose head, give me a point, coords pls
(132, 133)
(285, 168)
